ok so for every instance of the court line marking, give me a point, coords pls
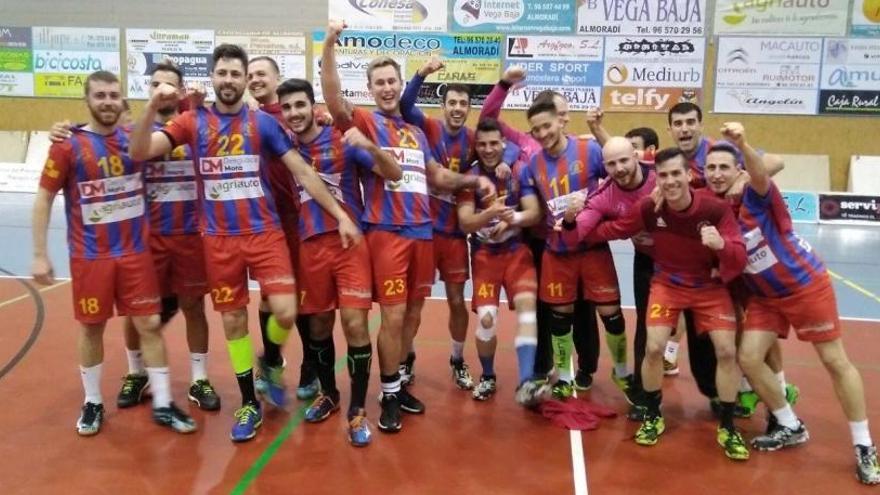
(854, 286)
(22, 297)
(578, 461)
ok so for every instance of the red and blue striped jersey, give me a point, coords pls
(557, 179)
(284, 188)
(400, 205)
(103, 194)
(340, 167)
(172, 192)
(232, 153)
(512, 189)
(697, 162)
(780, 262)
(454, 153)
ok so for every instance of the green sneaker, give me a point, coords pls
(625, 384)
(733, 444)
(747, 403)
(792, 393)
(650, 430)
(563, 390)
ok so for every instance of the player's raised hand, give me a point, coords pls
(60, 131)
(514, 74)
(335, 28)
(594, 116)
(164, 95)
(41, 270)
(354, 137)
(712, 238)
(196, 94)
(433, 65)
(734, 132)
(349, 233)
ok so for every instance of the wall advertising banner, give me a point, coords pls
(190, 49)
(287, 49)
(390, 15)
(512, 16)
(16, 62)
(802, 206)
(849, 208)
(781, 17)
(64, 57)
(642, 17)
(865, 18)
(851, 77)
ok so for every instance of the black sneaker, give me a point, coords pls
(637, 413)
(389, 420)
(89, 422)
(781, 437)
(867, 467)
(461, 374)
(408, 402)
(203, 394)
(174, 418)
(583, 381)
(133, 388)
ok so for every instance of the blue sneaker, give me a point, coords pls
(248, 419)
(321, 409)
(276, 391)
(308, 390)
(359, 428)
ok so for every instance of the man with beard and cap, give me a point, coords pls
(110, 261)
(331, 276)
(397, 216)
(233, 146)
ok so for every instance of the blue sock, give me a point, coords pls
(488, 363)
(525, 357)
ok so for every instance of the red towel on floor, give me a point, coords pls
(575, 414)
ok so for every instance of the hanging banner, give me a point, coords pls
(64, 57)
(865, 18)
(570, 65)
(474, 60)
(851, 77)
(287, 49)
(781, 17)
(768, 75)
(642, 18)
(644, 74)
(190, 50)
(512, 16)
(16, 62)
(390, 15)
(849, 208)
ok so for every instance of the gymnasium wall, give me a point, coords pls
(838, 137)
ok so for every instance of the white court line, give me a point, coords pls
(578, 462)
(25, 296)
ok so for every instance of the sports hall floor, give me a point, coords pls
(458, 446)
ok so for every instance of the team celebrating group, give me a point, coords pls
(337, 209)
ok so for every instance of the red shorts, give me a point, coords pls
(451, 258)
(512, 270)
(711, 306)
(229, 259)
(129, 282)
(180, 264)
(594, 269)
(812, 311)
(333, 277)
(403, 268)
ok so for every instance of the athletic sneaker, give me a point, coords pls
(792, 393)
(583, 381)
(261, 384)
(650, 430)
(747, 403)
(276, 391)
(406, 374)
(389, 420)
(134, 385)
(359, 428)
(563, 389)
(174, 418)
(485, 389)
(248, 418)
(90, 419)
(637, 413)
(203, 394)
(408, 402)
(321, 408)
(733, 444)
(309, 385)
(532, 392)
(780, 437)
(461, 374)
(867, 468)
(625, 384)
(670, 368)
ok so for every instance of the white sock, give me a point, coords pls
(671, 352)
(457, 350)
(199, 366)
(135, 361)
(744, 385)
(391, 387)
(860, 433)
(91, 379)
(160, 385)
(786, 417)
(781, 378)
